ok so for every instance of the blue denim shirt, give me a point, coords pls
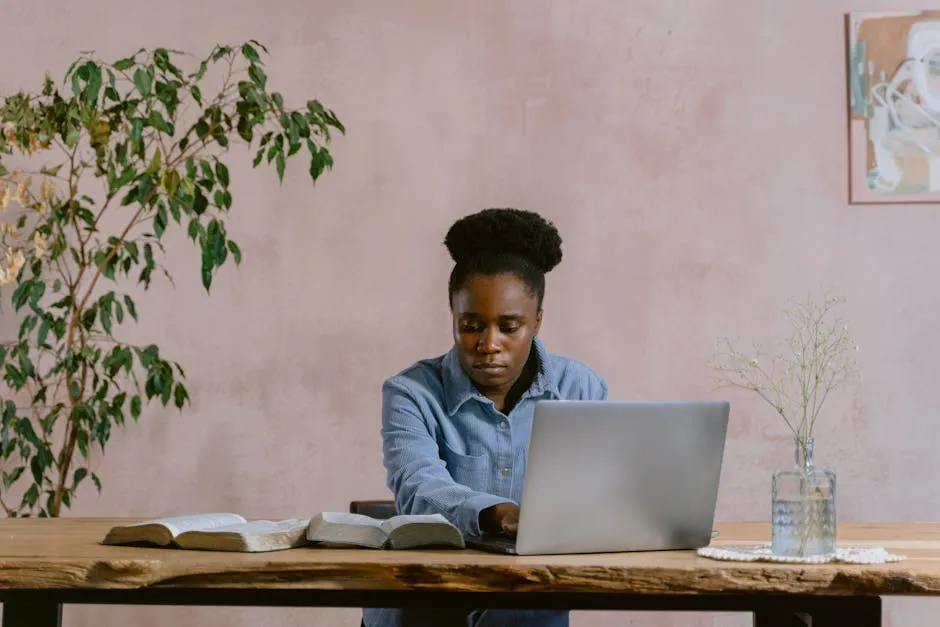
(448, 450)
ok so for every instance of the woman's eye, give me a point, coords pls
(509, 328)
(469, 327)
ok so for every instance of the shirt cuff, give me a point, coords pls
(469, 516)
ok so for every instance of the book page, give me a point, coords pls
(190, 522)
(262, 527)
(401, 520)
(346, 518)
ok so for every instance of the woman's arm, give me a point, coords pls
(417, 475)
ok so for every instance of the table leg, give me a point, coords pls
(832, 612)
(32, 614)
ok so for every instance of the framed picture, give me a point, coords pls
(894, 106)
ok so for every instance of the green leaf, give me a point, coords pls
(37, 468)
(148, 255)
(88, 317)
(129, 198)
(157, 121)
(82, 437)
(43, 334)
(221, 172)
(9, 478)
(96, 481)
(200, 203)
(180, 396)
(21, 294)
(25, 429)
(131, 307)
(215, 236)
(137, 135)
(35, 294)
(80, 473)
(149, 355)
(124, 64)
(171, 182)
(143, 80)
(160, 221)
(93, 84)
(207, 171)
(280, 165)
(195, 229)
(14, 376)
(320, 160)
(50, 171)
(250, 53)
(145, 188)
(257, 75)
(136, 406)
(236, 252)
(127, 175)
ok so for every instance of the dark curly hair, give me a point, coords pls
(501, 241)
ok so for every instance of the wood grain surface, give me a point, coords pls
(65, 553)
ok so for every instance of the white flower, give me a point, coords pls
(11, 266)
(40, 244)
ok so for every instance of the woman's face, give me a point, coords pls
(495, 321)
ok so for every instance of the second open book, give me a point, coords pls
(231, 532)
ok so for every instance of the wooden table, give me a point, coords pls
(45, 563)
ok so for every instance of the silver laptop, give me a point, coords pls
(611, 476)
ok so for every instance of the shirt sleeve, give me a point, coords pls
(594, 387)
(417, 475)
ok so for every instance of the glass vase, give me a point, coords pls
(804, 507)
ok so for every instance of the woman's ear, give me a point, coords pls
(538, 322)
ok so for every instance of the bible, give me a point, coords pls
(213, 532)
(340, 529)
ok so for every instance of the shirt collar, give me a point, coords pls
(458, 388)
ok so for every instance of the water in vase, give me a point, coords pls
(804, 526)
(804, 508)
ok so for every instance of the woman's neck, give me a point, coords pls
(507, 397)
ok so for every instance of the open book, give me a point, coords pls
(340, 529)
(213, 532)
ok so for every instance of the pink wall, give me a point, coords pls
(693, 155)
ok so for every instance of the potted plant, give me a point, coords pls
(94, 172)
(818, 357)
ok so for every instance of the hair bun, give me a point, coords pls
(505, 231)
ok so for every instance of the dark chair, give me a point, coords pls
(376, 509)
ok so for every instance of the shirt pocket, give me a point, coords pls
(472, 471)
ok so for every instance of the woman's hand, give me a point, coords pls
(502, 518)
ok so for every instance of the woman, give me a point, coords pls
(455, 428)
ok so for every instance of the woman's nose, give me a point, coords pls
(489, 341)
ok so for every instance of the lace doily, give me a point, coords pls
(762, 553)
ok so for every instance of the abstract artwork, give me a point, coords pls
(894, 106)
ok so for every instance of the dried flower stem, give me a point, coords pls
(820, 357)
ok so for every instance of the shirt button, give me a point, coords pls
(505, 472)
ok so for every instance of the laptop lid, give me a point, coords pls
(610, 476)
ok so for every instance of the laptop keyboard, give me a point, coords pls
(493, 544)
(505, 544)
